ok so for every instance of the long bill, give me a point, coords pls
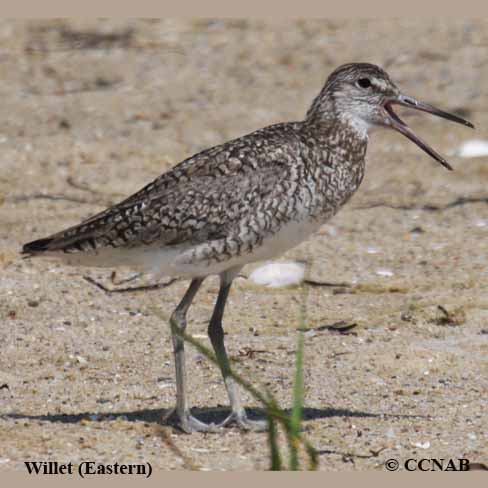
(403, 128)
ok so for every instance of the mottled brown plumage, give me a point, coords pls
(246, 200)
(228, 199)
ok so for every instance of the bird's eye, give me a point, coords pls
(364, 82)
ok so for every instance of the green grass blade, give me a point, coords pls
(276, 463)
(274, 413)
(297, 409)
(313, 456)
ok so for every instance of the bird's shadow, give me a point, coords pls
(207, 415)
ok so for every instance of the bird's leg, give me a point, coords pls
(183, 419)
(216, 334)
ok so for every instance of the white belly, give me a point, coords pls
(175, 260)
(289, 236)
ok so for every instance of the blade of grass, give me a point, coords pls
(276, 463)
(273, 412)
(294, 434)
(313, 456)
(296, 413)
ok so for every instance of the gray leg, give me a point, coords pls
(178, 323)
(216, 334)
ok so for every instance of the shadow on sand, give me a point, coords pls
(208, 415)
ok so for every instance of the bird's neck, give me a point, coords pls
(325, 113)
(341, 147)
(344, 138)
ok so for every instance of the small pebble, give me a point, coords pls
(473, 148)
(384, 272)
(64, 124)
(372, 250)
(422, 445)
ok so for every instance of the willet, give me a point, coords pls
(249, 199)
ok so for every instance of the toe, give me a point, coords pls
(187, 423)
(191, 424)
(241, 420)
(252, 425)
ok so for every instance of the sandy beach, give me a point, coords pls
(94, 110)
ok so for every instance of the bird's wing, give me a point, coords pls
(200, 199)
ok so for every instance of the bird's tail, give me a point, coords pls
(37, 247)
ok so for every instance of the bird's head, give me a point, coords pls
(362, 95)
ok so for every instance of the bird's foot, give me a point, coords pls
(187, 423)
(241, 420)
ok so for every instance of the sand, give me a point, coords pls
(93, 110)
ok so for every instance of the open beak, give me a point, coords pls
(401, 127)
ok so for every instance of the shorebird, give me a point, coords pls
(247, 200)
